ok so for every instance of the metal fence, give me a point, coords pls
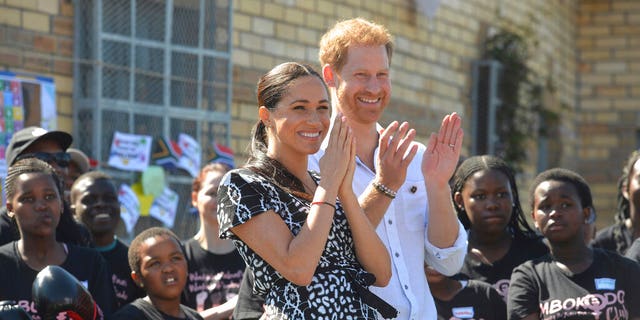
(157, 68)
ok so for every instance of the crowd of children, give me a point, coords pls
(512, 270)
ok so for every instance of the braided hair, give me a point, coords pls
(30, 165)
(622, 212)
(272, 87)
(517, 225)
(68, 229)
(622, 209)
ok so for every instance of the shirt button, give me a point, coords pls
(390, 221)
(406, 287)
(414, 189)
(397, 254)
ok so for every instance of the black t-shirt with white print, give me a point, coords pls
(478, 300)
(125, 289)
(608, 289)
(213, 279)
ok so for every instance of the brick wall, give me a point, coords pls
(36, 36)
(586, 49)
(431, 67)
(608, 122)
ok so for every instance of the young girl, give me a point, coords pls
(215, 266)
(619, 236)
(34, 200)
(312, 256)
(574, 281)
(486, 199)
(159, 267)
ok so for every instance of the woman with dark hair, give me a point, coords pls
(619, 236)
(34, 199)
(486, 199)
(311, 249)
(573, 281)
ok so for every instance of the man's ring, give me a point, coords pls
(451, 145)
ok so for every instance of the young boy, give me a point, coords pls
(159, 266)
(94, 201)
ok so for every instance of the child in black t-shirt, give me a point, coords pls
(574, 281)
(464, 299)
(486, 199)
(34, 201)
(158, 265)
(215, 266)
(94, 201)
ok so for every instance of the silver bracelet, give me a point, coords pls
(385, 190)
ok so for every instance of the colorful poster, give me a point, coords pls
(191, 154)
(129, 207)
(11, 109)
(11, 118)
(164, 207)
(130, 151)
(16, 114)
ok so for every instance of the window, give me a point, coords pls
(152, 67)
(485, 103)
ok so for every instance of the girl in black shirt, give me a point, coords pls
(486, 199)
(574, 281)
(34, 200)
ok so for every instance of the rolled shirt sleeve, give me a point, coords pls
(447, 261)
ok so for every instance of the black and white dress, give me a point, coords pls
(336, 288)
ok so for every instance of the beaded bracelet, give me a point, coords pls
(385, 190)
(324, 202)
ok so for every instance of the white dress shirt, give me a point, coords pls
(402, 229)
